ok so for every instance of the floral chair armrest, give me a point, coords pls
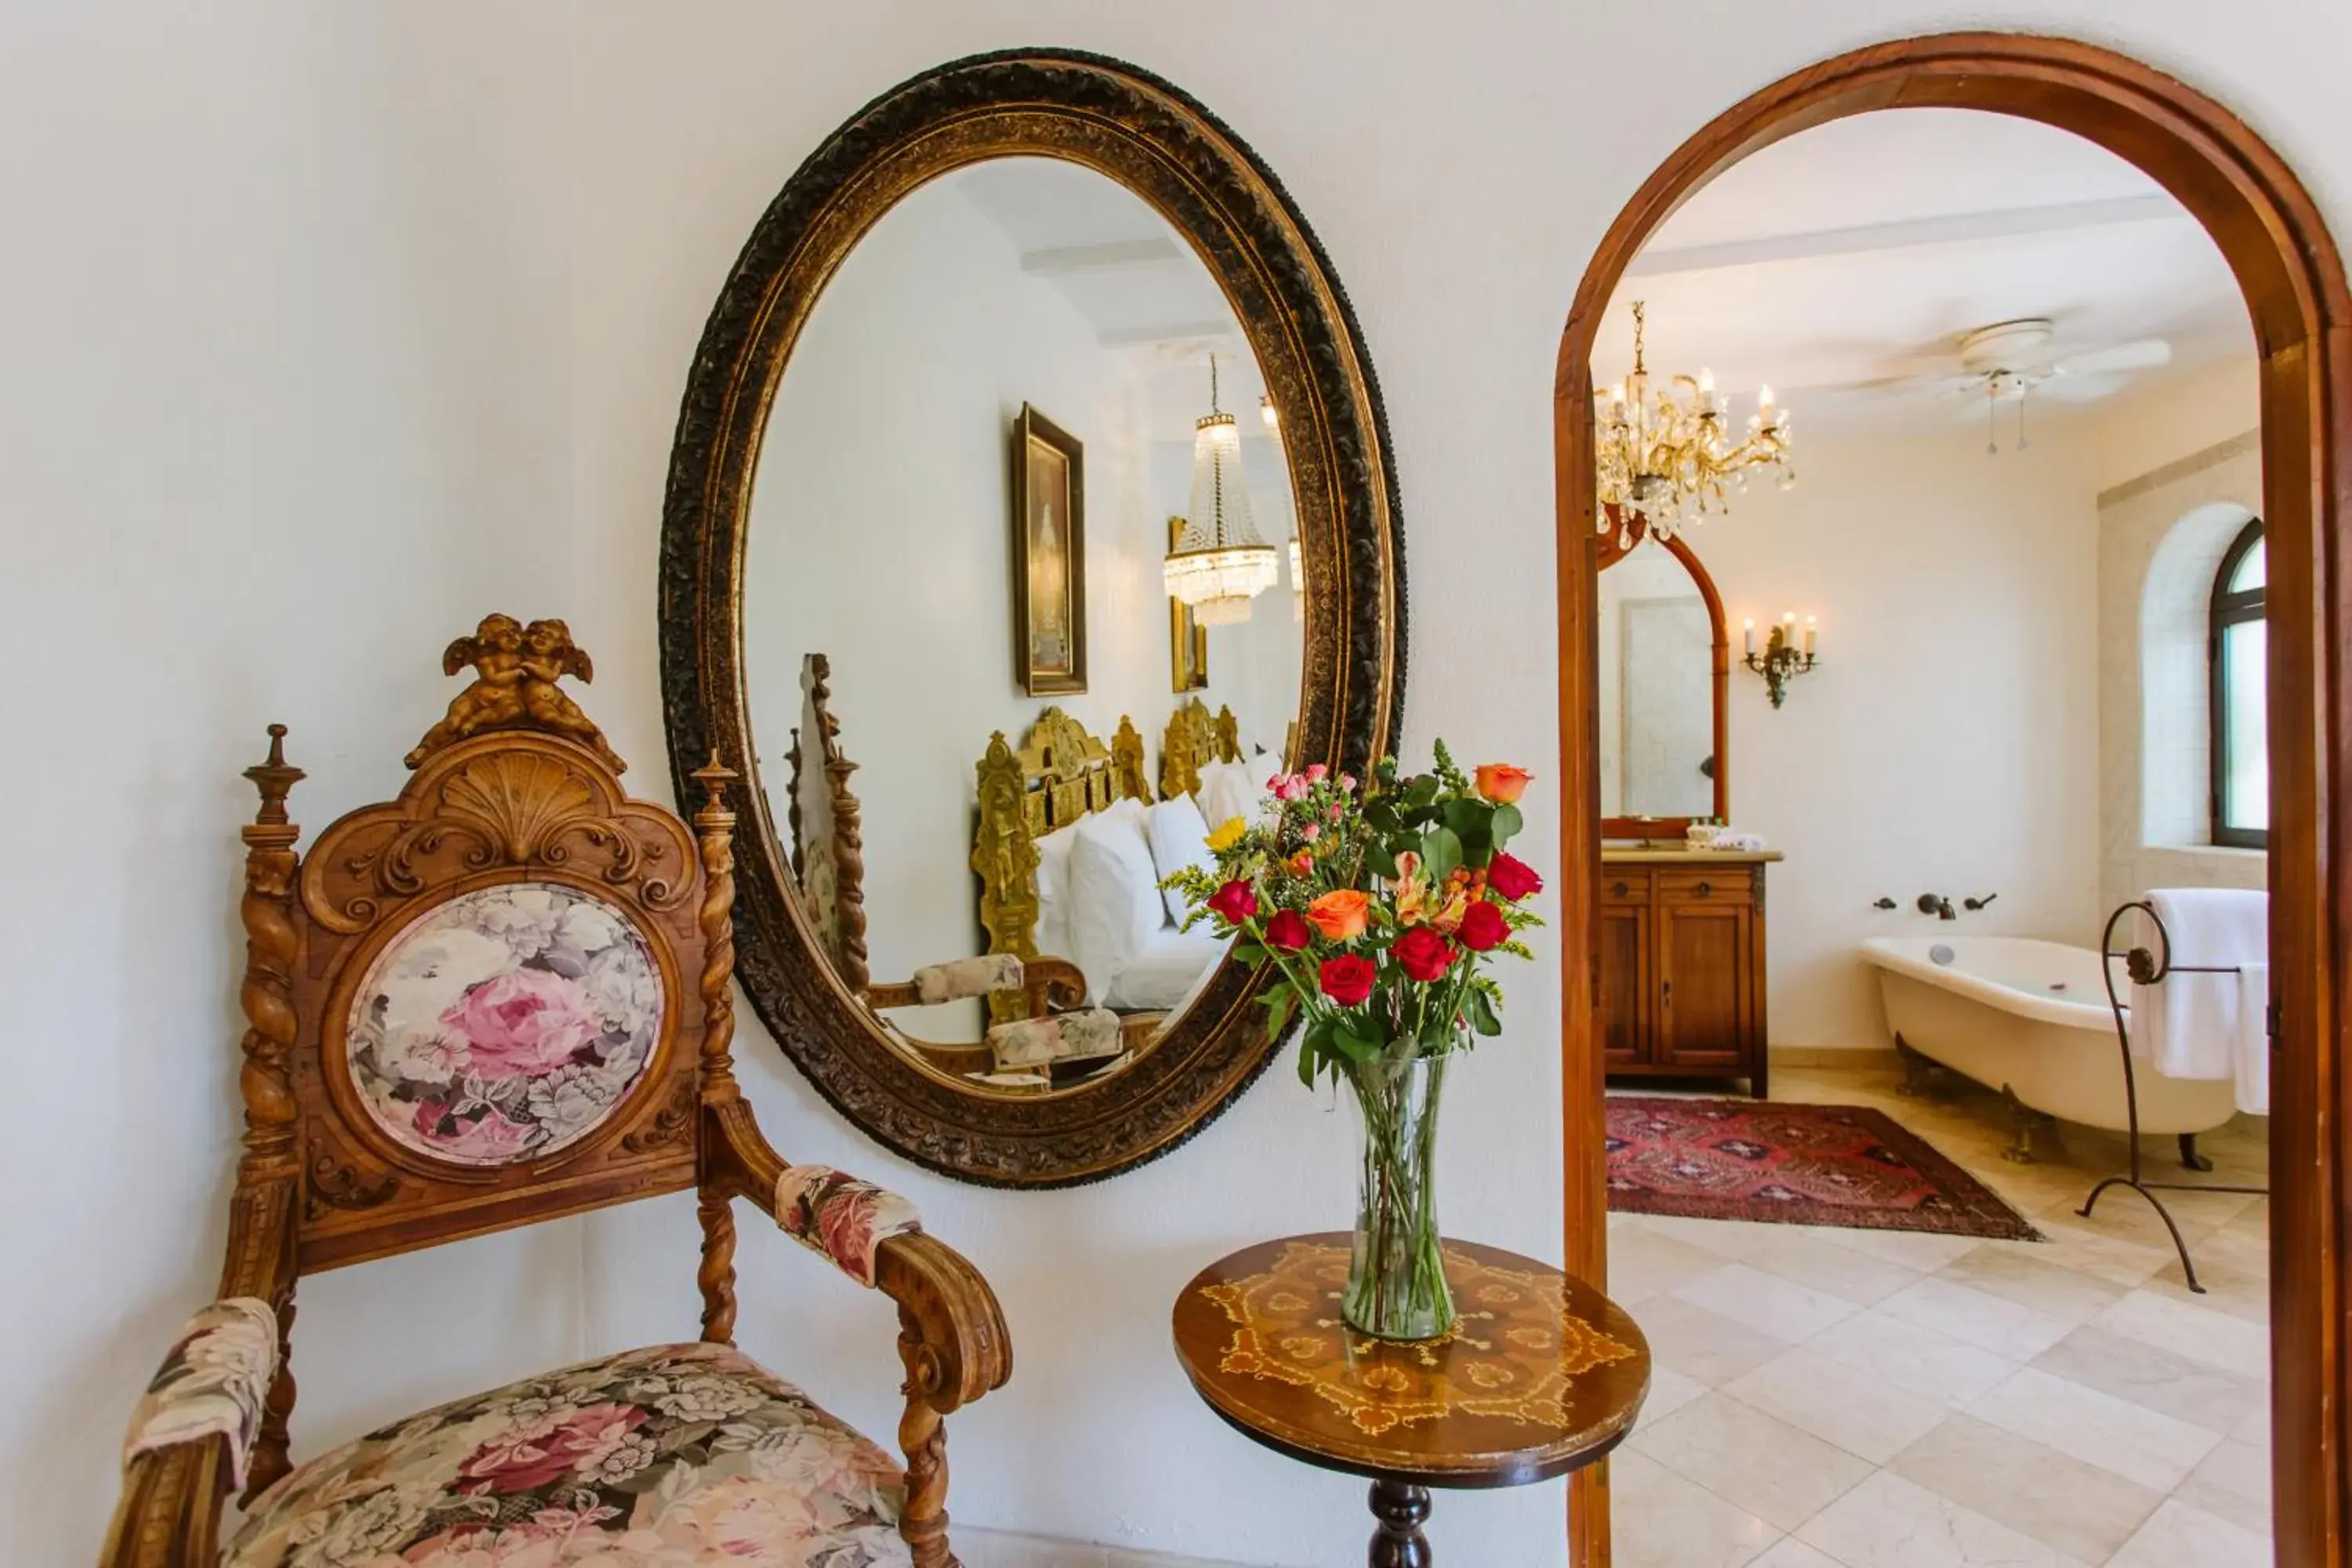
(833, 1213)
(213, 1382)
(952, 1335)
(192, 1436)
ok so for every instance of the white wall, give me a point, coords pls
(329, 326)
(287, 403)
(1948, 740)
(2187, 473)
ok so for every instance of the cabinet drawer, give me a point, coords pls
(1624, 884)
(1731, 885)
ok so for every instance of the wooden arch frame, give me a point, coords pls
(1166, 148)
(1718, 680)
(2293, 276)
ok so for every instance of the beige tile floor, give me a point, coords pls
(1831, 1398)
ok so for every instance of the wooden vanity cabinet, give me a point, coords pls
(1681, 970)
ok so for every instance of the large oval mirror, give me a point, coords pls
(1665, 667)
(1028, 512)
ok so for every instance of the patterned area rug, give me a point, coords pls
(1794, 1165)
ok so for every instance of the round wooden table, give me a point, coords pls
(1540, 1374)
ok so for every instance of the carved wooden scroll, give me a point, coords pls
(1130, 780)
(828, 839)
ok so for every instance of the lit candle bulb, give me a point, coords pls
(1747, 635)
(1265, 411)
(1812, 630)
(1765, 412)
(1789, 630)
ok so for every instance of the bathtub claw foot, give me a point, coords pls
(2189, 1157)
(1918, 1071)
(2028, 1121)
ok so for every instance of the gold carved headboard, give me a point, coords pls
(1058, 774)
(1192, 739)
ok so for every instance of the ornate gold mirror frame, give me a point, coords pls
(1160, 144)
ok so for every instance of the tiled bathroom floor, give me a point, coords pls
(1832, 1398)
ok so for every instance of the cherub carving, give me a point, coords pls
(549, 655)
(495, 650)
(516, 668)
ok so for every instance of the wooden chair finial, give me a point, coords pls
(274, 779)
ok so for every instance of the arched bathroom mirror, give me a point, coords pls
(1663, 687)
(1029, 508)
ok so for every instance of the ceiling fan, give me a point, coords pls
(2009, 361)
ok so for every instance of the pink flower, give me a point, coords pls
(520, 1023)
(1316, 773)
(1337, 811)
(1288, 786)
(1311, 832)
(549, 1449)
(1348, 783)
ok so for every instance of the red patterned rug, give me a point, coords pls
(1793, 1164)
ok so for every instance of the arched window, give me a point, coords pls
(2239, 652)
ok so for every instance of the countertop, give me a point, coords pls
(1678, 854)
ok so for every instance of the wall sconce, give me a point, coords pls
(1780, 663)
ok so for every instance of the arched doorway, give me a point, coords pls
(2266, 226)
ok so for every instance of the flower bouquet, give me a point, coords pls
(1380, 909)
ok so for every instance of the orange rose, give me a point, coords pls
(1342, 915)
(1501, 783)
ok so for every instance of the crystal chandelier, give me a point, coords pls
(1664, 458)
(1220, 563)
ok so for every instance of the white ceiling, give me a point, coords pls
(1127, 274)
(1863, 248)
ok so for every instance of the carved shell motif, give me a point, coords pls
(511, 807)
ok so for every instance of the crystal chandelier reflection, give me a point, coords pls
(1664, 458)
(1219, 563)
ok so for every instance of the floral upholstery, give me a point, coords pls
(1065, 1037)
(844, 1218)
(211, 1383)
(675, 1456)
(968, 977)
(505, 1024)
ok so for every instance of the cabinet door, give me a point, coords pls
(1704, 983)
(1626, 986)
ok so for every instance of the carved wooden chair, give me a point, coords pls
(500, 998)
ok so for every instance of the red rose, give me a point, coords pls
(1483, 927)
(1512, 878)
(1289, 932)
(1422, 953)
(1235, 902)
(1347, 979)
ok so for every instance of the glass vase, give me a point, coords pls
(1396, 1276)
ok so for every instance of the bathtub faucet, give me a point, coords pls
(1937, 905)
(1978, 903)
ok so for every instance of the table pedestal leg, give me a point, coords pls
(1402, 1510)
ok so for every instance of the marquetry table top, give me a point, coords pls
(1540, 1374)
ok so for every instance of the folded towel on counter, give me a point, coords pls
(1743, 843)
(2211, 1025)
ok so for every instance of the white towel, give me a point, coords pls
(2203, 1025)
(1741, 843)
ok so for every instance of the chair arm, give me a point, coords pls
(193, 1434)
(953, 1329)
(169, 1514)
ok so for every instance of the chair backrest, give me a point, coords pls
(485, 1002)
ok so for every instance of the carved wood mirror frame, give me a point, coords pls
(1719, 687)
(1160, 144)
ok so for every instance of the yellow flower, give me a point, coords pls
(1227, 835)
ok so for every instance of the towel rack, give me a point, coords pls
(2147, 969)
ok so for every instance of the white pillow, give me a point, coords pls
(1229, 789)
(1114, 905)
(1054, 892)
(1179, 836)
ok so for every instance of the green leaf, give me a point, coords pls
(1482, 1014)
(1422, 791)
(1353, 1046)
(1279, 1004)
(1305, 1062)
(1441, 853)
(1507, 822)
(1381, 861)
(1381, 814)
(1249, 952)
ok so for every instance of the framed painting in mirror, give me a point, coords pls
(1049, 571)
(1188, 639)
